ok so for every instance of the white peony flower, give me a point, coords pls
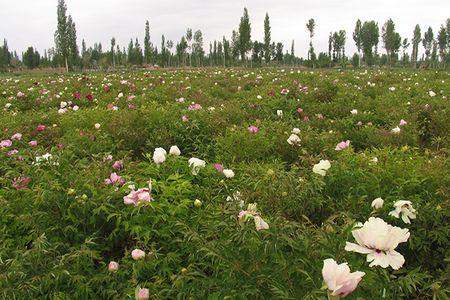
(97, 125)
(196, 164)
(405, 209)
(159, 156)
(174, 150)
(377, 203)
(395, 130)
(280, 113)
(338, 278)
(228, 173)
(322, 167)
(260, 224)
(296, 131)
(354, 112)
(378, 240)
(431, 93)
(293, 139)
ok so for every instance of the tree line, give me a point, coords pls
(239, 50)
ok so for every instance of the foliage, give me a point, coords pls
(60, 231)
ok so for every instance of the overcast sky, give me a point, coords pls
(33, 22)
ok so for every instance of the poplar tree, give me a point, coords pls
(147, 44)
(169, 45)
(198, 46)
(369, 39)
(189, 44)
(417, 37)
(391, 40)
(311, 26)
(357, 39)
(267, 37)
(442, 40)
(427, 42)
(113, 44)
(62, 41)
(245, 36)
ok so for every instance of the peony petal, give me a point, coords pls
(357, 248)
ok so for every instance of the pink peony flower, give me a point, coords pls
(5, 144)
(115, 179)
(89, 97)
(12, 152)
(40, 127)
(16, 137)
(137, 254)
(195, 106)
(113, 266)
(184, 118)
(20, 182)
(218, 167)
(403, 122)
(342, 145)
(32, 143)
(76, 95)
(284, 92)
(143, 294)
(305, 119)
(338, 278)
(299, 110)
(118, 164)
(252, 129)
(139, 196)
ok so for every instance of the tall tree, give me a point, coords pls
(235, 45)
(245, 36)
(198, 47)
(31, 58)
(442, 40)
(357, 39)
(417, 38)
(405, 45)
(113, 44)
(62, 41)
(369, 39)
(447, 29)
(181, 50)
(189, 44)
(311, 26)
(138, 53)
(169, 45)
(292, 52)
(391, 39)
(427, 42)
(5, 55)
(226, 51)
(163, 50)
(279, 53)
(147, 44)
(267, 37)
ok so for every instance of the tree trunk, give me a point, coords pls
(359, 59)
(67, 65)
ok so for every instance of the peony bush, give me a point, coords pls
(225, 184)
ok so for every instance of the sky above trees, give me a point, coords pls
(33, 23)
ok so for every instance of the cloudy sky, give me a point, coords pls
(32, 22)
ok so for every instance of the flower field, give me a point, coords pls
(225, 184)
